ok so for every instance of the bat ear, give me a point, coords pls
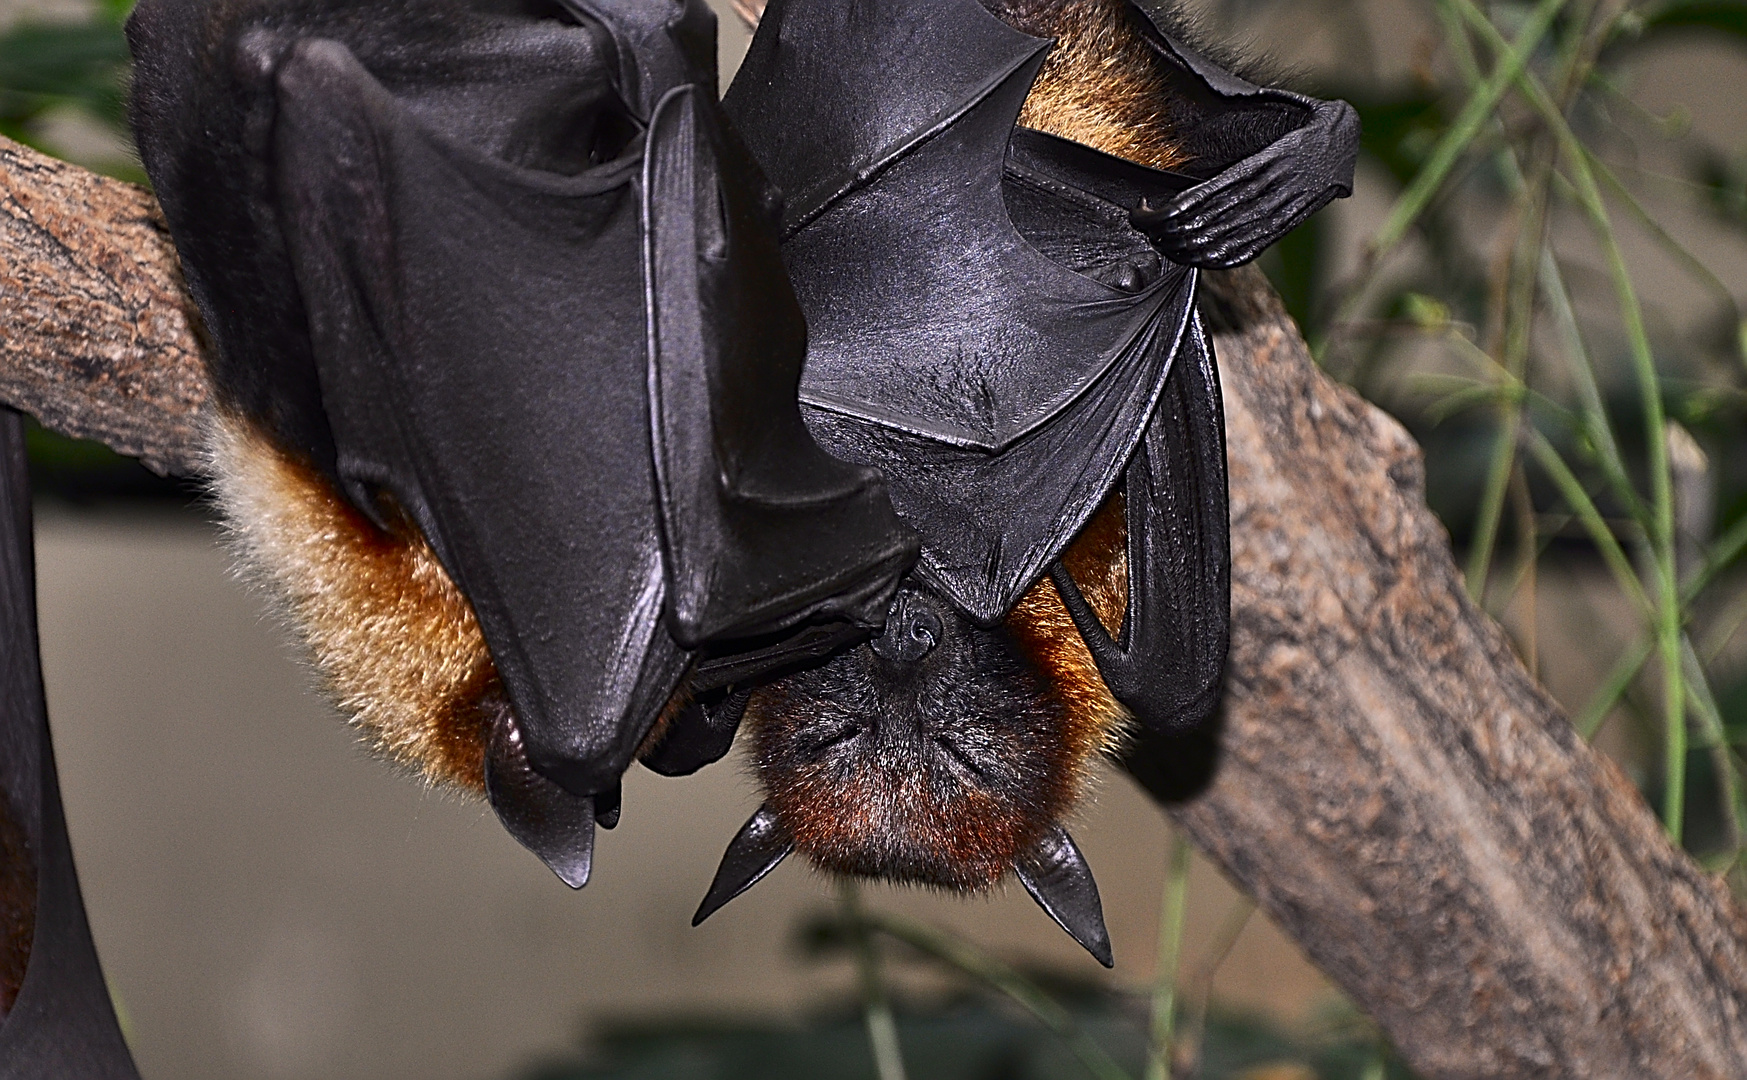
(543, 817)
(1057, 877)
(754, 852)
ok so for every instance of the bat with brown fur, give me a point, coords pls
(995, 242)
(575, 417)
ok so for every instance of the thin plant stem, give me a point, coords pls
(1625, 669)
(1201, 982)
(1722, 553)
(876, 1003)
(1723, 628)
(1694, 265)
(1716, 744)
(1519, 305)
(1461, 134)
(1163, 1030)
(966, 958)
(1571, 489)
(1498, 472)
(1669, 615)
(1552, 286)
(1528, 553)
(1467, 125)
(1597, 428)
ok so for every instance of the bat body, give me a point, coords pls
(1003, 323)
(505, 358)
(574, 416)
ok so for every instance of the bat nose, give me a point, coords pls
(913, 629)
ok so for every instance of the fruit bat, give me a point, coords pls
(1002, 321)
(505, 359)
(576, 417)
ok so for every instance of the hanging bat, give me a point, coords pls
(1002, 321)
(574, 416)
(506, 360)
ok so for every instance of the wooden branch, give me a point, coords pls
(1400, 795)
(1389, 782)
(99, 338)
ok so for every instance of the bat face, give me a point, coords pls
(941, 752)
(934, 754)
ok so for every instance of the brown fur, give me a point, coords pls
(17, 906)
(394, 640)
(397, 644)
(1097, 560)
(1031, 712)
(1098, 86)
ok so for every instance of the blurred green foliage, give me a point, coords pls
(75, 69)
(965, 1039)
(1563, 415)
(975, 1033)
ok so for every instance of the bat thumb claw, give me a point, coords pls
(1057, 877)
(755, 851)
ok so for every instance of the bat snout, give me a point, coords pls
(914, 626)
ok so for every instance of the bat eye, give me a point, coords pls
(913, 629)
(831, 741)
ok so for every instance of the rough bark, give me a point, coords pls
(98, 335)
(1400, 794)
(1388, 780)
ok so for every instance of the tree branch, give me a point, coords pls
(1402, 797)
(1389, 782)
(99, 338)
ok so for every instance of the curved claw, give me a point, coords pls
(1231, 218)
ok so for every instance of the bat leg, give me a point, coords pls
(1167, 663)
(700, 735)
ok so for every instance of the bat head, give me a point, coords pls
(934, 754)
(944, 753)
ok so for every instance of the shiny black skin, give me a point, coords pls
(510, 269)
